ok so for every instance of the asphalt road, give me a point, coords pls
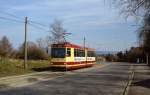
(108, 80)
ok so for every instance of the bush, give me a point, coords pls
(34, 52)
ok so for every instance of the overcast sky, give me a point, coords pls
(97, 20)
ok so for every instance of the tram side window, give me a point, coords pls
(79, 53)
(91, 54)
(75, 52)
(68, 52)
(82, 53)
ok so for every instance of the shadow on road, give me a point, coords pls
(139, 64)
(143, 83)
(47, 69)
(56, 69)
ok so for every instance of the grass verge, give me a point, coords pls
(9, 67)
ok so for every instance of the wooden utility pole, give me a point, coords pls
(25, 44)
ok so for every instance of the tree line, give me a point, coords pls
(133, 55)
(34, 51)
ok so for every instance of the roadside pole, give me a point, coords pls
(147, 59)
(25, 44)
(66, 67)
(85, 54)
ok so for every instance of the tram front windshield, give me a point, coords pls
(58, 52)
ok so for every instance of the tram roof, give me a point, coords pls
(67, 44)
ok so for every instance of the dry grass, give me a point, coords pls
(10, 67)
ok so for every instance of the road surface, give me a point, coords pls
(108, 80)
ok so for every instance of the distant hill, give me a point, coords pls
(106, 52)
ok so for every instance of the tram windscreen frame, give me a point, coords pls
(58, 52)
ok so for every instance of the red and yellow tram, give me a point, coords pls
(70, 56)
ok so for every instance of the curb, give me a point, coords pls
(127, 87)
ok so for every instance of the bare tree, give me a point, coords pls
(41, 43)
(57, 35)
(138, 8)
(44, 43)
(133, 7)
(58, 32)
(48, 41)
(144, 35)
(5, 47)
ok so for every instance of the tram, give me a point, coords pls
(70, 56)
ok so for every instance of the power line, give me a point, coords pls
(9, 14)
(33, 25)
(10, 19)
(37, 23)
(16, 17)
(37, 27)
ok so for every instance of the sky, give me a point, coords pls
(100, 22)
